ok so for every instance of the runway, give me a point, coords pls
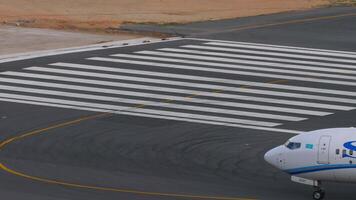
(184, 118)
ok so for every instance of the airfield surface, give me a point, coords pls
(182, 118)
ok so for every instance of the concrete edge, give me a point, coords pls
(107, 45)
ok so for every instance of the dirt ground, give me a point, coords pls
(103, 14)
(20, 40)
(98, 17)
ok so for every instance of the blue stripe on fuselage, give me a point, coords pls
(318, 168)
(350, 146)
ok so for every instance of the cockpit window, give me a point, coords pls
(293, 145)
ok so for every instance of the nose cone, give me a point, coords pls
(269, 157)
(273, 157)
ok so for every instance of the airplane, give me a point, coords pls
(316, 156)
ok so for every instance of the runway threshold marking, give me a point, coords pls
(195, 91)
(155, 84)
(81, 186)
(230, 68)
(74, 185)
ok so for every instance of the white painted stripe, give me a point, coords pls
(152, 116)
(330, 56)
(141, 110)
(233, 66)
(150, 95)
(278, 46)
(259, 63)
(52, 105)
(204, 86)
(273, 59)
(265, 53)
(191, 99)
(226, 71)
(201, 78)
(151, 103)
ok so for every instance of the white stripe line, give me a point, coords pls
(246, 51)
(227, 71)
(152, 116)
(233, 66)
(201, 78)
(238, 61)
(274, 59)
(204, 86)
(150, 95)
(52, 105)
(293, 51)
(190, 92)
(141, 110)
(277, 46)
(152, 103)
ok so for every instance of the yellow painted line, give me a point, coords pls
(34, 178)
(191, 96)
(81, 186)
(75, 185)
(248, 86)
(287, 22)
(39, 131)
(139, 106)
(168, 100)
(136, 192)
(278, 81)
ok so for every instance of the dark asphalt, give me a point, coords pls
(166, 156)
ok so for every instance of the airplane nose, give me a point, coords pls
(273, 156)
(269, 157)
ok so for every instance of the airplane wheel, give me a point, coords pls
(319, 195)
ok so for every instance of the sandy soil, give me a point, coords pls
(102, 14)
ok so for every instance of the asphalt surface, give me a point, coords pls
(178, 128)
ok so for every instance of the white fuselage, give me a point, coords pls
(323, 155)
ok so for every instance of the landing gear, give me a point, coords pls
(318, 194)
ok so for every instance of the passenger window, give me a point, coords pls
(351, 152)
(344, 152)
(337, 151)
